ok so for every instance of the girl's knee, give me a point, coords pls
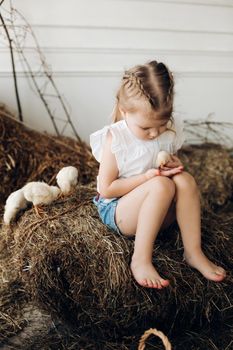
(185, 181)
(162, 184)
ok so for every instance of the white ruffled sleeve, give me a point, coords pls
(179, 138)
(98, 138)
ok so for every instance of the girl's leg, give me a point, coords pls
(143, 211)
(189, 220)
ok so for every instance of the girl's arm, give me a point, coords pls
(110, 185)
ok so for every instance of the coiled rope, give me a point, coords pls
(159, 334)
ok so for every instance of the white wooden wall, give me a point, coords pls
(88, 44)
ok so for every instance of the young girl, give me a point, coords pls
(135, 198)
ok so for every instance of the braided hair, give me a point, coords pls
(152, 84)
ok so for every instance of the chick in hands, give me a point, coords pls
(163, 157)
(166, 161)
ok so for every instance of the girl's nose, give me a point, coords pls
(153, 133)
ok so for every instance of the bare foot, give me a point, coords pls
(146, 275)
(208, 269)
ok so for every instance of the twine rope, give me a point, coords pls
(159, 334)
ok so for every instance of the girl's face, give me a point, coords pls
(145, 127)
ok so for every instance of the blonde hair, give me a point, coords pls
(147, 87)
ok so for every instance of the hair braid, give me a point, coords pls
(136, 82)
(170, 90)
(164, 73)
(150, 85)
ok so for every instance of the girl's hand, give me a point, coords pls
(152, 173)
(163, 172)
(171, 171)
(174, 163)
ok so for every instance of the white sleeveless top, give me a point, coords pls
(133, 155)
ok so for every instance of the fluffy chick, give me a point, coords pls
(67, 179)
(40, 193)
(162, 158)
(14, 203)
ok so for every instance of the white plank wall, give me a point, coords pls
(88, 44)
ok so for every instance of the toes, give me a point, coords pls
(150, 283)
(221, 271)
(160, 283)
(164, 283)
(156, 284)
(219, 274)
(143, 283)
(218, 277)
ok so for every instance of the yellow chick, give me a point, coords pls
(14, 203)
(162, 158)
(67, 179)
(40, 193)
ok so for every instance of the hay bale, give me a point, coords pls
(212, 167)
(27, 155)
(70, 263)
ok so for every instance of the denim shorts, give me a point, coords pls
(106, 209)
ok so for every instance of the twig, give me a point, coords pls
(32, 75)
(48, 75)
(208, 131)
(13, 66)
